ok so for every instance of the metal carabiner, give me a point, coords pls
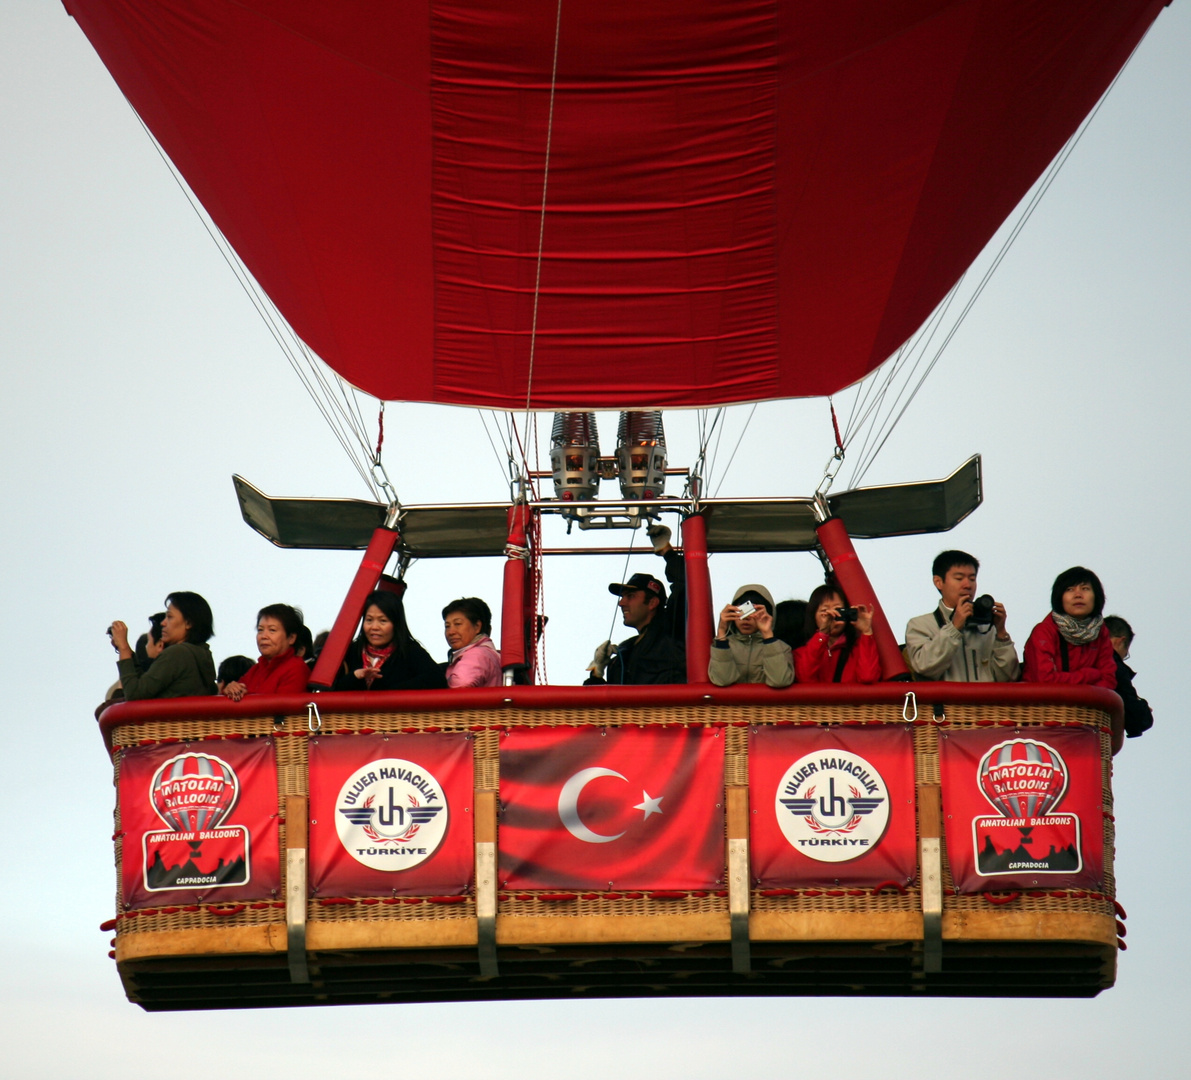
(911, 702)
(313, 720)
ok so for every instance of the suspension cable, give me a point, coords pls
(878, 435)
(537, 279)
(344, 418)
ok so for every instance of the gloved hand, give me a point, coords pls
(659, 536)
(603, 654)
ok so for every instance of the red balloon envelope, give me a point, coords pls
(741, 201)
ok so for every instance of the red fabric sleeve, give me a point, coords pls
(808, 659)
(864, 665)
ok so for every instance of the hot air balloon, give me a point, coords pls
(194, 792)
(1023, 778)
(627, 206)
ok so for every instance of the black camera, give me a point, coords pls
(847, 614)
(982, 611)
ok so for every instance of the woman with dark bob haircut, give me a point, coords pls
(1072, 644)
(279, 670)
(473, 660)
(386, 656)
(185, 667)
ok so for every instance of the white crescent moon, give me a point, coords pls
(568, 805)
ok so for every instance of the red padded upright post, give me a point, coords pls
(699, 616)
(512, 615)
(380, 547)
(845, 564)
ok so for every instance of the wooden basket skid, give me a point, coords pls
(854, 940)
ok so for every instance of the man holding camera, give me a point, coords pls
(964, 638)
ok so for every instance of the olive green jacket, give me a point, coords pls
(182, 670)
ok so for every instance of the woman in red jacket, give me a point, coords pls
(279, 670)
(1072, 644)
(838, 650)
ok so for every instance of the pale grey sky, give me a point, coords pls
(137, 378)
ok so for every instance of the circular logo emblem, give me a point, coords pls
(391, 814)
(832, 806)
(193, 792)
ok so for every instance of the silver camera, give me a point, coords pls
(743, 611)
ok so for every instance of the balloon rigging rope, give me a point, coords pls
(878, 434)
(537, 280)
(344, 419)
(748, 420)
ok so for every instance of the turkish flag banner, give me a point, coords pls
(1025, 811)
(831, 806)
(620, 808)
(199, 823)
(390, 815)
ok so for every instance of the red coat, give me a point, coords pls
(284, 674)
(1089, 665)
(813, 663)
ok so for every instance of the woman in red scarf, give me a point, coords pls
(1072, 645)
(279, 670)
(386, 656)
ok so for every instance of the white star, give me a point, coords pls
(650, 806)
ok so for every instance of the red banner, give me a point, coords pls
(623, 808)
(1024, 811)
(199, 825)
(831, 806)
(390, 815)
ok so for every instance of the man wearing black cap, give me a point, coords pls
(653, 656)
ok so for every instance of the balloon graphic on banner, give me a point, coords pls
(194, 792)
(1023, 778)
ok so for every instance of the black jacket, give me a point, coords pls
(650, 657)
(1139, 716)
(417, 672)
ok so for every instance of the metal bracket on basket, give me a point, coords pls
(738, 905)
(295, 887)
(930, 876)
(486, 908)
(932, 904)
(738, 877)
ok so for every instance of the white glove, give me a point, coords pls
(659, 536)
(603, 654)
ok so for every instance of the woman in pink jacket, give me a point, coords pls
(1072, 645)
(474, 660)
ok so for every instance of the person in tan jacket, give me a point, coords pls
(745, 649)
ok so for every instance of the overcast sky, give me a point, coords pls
(137, 379)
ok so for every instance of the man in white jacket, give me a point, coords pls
(954, 642)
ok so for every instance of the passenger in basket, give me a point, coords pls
(386, 656)
(149, 646)
(1139, 717)
(788, 619)
(279, 670)
(653, 656)
(1072, 644)
(745, 649)
(964, 639)
(840, 646)
(231, 669)
(184, 667)
(473, 661)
